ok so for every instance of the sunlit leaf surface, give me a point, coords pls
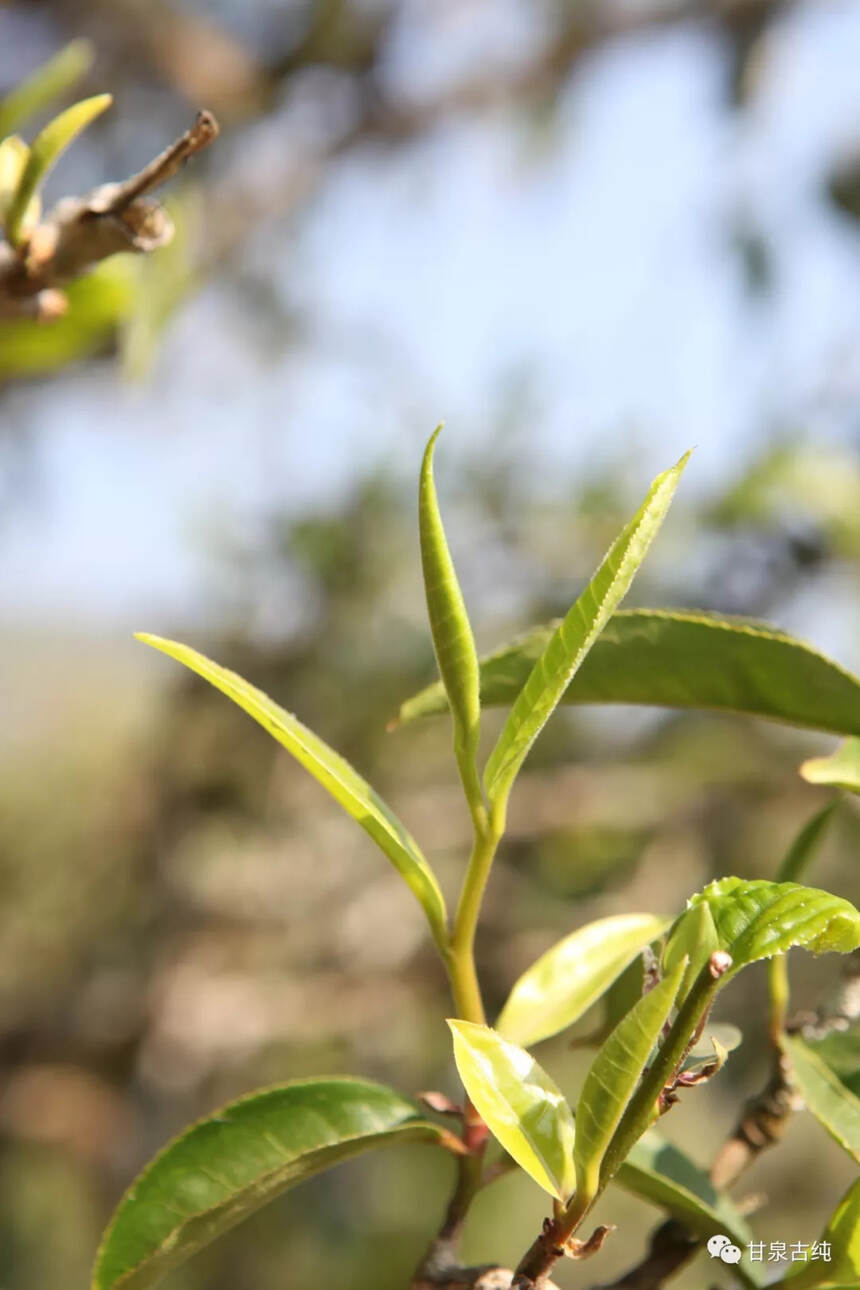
(677, 659)
(520, 1104)
(231, 1163)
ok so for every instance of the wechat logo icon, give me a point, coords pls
(720, 1247)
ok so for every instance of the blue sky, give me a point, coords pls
(597, 262)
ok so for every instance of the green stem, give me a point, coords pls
(642, 1109)
(461, 954)
(777, 984)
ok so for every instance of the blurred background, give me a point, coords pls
(589, 236)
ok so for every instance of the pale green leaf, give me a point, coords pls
(660, 1173)
(802, 850)
(329, 769)
(571, 976)
(694, 937)
(520, 1104)
(13, 160)
(680, 659)
(842, 1234)
(233, 1162)
(826, 1097)
(757, 919)
(574, 637)
(840, 1051)
(449, 625)
(45, 149)
(841, 769)
(614, 1075)
(53, 79)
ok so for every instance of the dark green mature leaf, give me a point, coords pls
(613, 1077)
(574, 637)
(565, 981)
(826, 1097)
(330, 769)
(46, 84)
(449, 623)
(44, 152)
(842, 1234)
(802, 850)
(680, 659)
(841, 768)
(660, 1173)
(233, 1162)
(757, 919)
(520, 1104)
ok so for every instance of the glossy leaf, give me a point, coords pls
(660, 1173)
(45, 149)
(757, 919)
(802, 850)
(842, 1234)
(520, 1104)
(53, 79)
(329, 769)
(826, 1097)
(841, 769)
(571, 976)
(614, 1075)
(233, 1162)
(680, 659)
(575, 635)
(449, 624)
(693, 936)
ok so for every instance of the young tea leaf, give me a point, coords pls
(571, 976)
(46, 84)
(614, 1074)
(230, 1164)
(520, 1104)
(680, 659)
(826, 1097)
(329, 769)
(574, 637)
(757, 919)
(13, 160)
(44, 152)
(449, 624)
(841, 769)
(695, 938)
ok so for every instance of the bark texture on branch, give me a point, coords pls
(80, 232)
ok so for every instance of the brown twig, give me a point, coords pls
(82, 231)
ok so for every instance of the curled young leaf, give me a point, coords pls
(329, 769)
(613, 1077)
(757, 919)
(695, 938)
(223, 1168)
(449, 624)
(680, 659)
(520, 1104)
(46, 84)
(571, 976)
(574, 637)
(45, 149)
(841, 769)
